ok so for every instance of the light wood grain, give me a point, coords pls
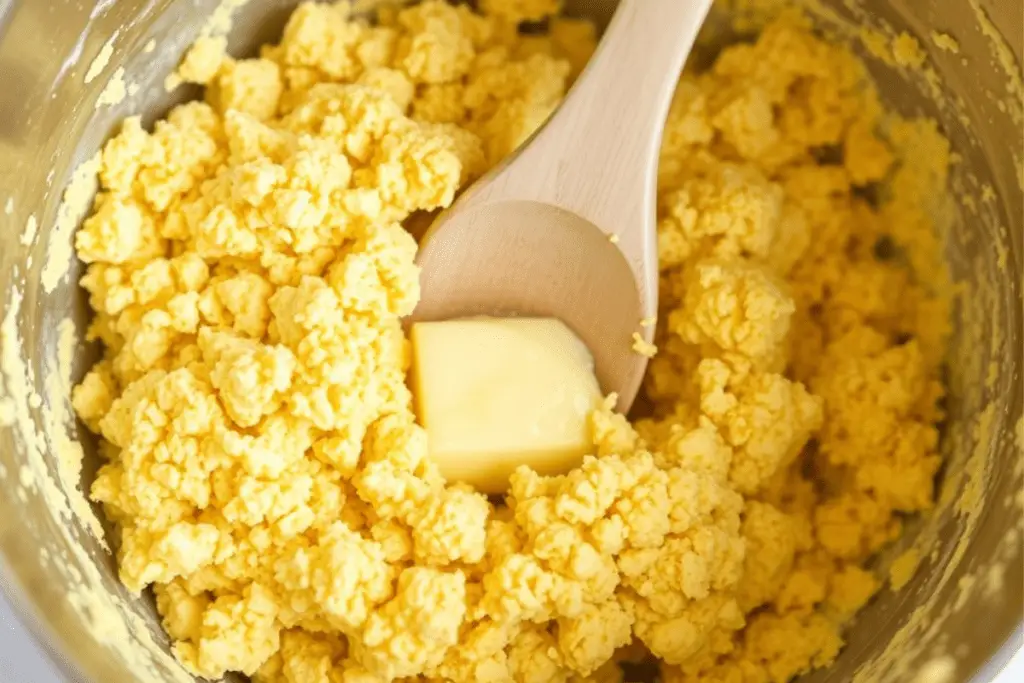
(534, 237)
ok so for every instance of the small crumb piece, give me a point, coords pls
(877, 44)
(100, 62)
(29, 234)
(252, 86)
(201, 62)
(643, 347)
(907, 51)
(648, 322)
(613, 238)
(114, 91)
(904, 568)
(946, 42)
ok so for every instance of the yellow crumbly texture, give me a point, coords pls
(248, 269)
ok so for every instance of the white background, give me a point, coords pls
(21, 660)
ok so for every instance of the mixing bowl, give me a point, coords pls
(959, 618)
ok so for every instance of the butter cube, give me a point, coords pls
(497, 393)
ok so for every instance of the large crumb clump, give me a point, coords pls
(248, 268)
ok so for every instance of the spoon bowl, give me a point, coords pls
(506, 251)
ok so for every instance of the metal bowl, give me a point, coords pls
(959, 619)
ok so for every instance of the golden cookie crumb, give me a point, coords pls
(907, 50)
(946, 42)
(643, 347)
(904, 568)
(201, 62)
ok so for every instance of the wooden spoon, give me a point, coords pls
(565, 228)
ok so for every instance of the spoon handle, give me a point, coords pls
(597, 155)
(610, 124)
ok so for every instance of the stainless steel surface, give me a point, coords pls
(21, 658)
(48, 124)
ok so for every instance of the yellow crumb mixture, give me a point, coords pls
(249, 269)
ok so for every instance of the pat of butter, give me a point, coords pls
(497, 393)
